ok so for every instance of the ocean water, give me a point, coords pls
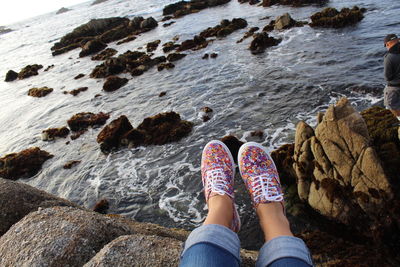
(309, 70)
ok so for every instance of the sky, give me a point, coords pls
(12, 11)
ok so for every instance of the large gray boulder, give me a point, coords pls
(58, 236)
(18, 199)
(138, 250)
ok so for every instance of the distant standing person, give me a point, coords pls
(392, 74)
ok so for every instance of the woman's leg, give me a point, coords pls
(262, 181)
(215, 243)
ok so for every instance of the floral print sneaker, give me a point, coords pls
(259, 174)
(218, 172)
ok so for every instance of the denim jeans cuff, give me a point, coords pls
(215, 234)
(282, 247)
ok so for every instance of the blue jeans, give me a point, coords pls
(215, 245)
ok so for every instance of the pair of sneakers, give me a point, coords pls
(256, 167)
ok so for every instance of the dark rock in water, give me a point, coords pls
(92, 47)
(213, 55)
(102, 206)
(168, 24)
(77, 134)
(198, 42)
(52, 133)
(105, 54)
(83, 120)
(127, 39)
(76, 92)
(233, 144)
(162, 94)
(152, 45)
(332, 18)
(114, 83)
(24, 164)
(262, 41)
(63, 10)
(20, 199)
(225, 28)
(11, 76)
(4, 30)
(49, 67)
(167, 66)
(98, 2)
(205, 56)
(59, 236)
(258, 133)
(28, 71)
(283, 22)
(175, 56)
(137, 72)
(157, 130)
(40, 92)
(206, 109)
(110, 67)
(205, 113)
(71, 164)
(169, 46)
(79, 76)
(249, 33)
(251, 2)
(148, 23)
(110, 136)
(182, 8)
(267, 3)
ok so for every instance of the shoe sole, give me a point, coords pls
(244, 146)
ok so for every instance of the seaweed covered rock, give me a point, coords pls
(105, 54)
(11, 76)
(84, 120)
(175, 57)
(183, 8)
(76, 91)
(58, 236)
(332, 18)
(105, 30)
(52, 133)
(29, 70)
(225, 28)
(262, 41)
(40, 92)
(92, 47)
(114, 83)
(167, 66)
(150, 47)
(24, 164)
(19, 199)
(133, 250)
(157, 130)
(102, 206)
(198, 42)
(267, 3)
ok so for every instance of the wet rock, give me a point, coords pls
(251, 2)
(283, 22)
(168, 24)
(157, 130)
(225, 28)
(198, 42)
(183, 8)
(332, 18)
(71, 164)
(76, 91)
(49, 67)
(262, 41)
(59, 236)
(102, 206)
(79, 76)
(205, 113)
(267, 3)
(213, 55)
(77, 134)
(148, 23)
(19, 199)
(62, 10)
(169, 46)
(29, 70)
(40, 92)
(4, 30)
(110, 67)
(167, 66)
(92, 47)
(205, 56)
(175, 57)
(233, 144)
(162, 94)
(206, 109)
(249, 33)
(258, 133)
(11, 76)
(283, 159)
(51, 133)
(133, 250)
(152, 45)
(114, 83)
(105, 54)
(82, 121)
(135, 22)
(24, 164)
(98, 2)
(127, 39)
